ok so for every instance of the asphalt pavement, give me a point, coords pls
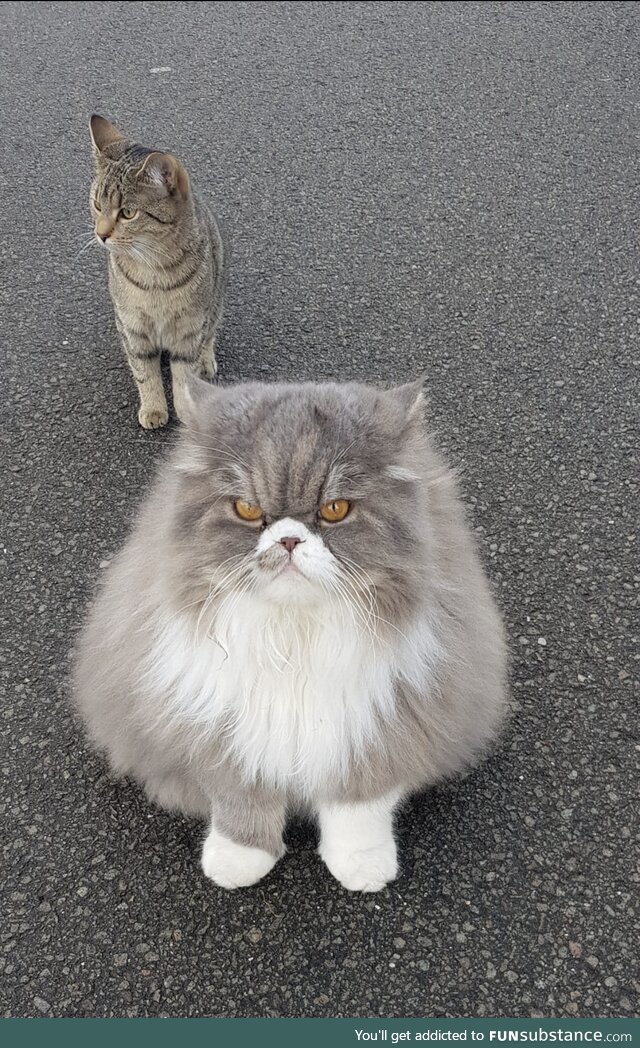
(447, 188)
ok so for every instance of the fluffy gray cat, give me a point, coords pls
(299, 621)
(166, 264)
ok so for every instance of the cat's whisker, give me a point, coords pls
(143, 257)
(84, 247)
(180, 442)
(212, 584)
(226, 449)
(359, 570)
(369, 611)
(154, 249)
(149, 259)
(219, 627)
(229, 581)
(191, 604)
(272, 648)
(353, 602)
(391, 625)
(227, 560)
(244, 561)
(362, 580)
(228, 578)
(337, 589)
(221, 493)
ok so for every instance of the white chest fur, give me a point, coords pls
(298, 692)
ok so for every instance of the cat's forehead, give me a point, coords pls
(292, 450)
(305, 430)
(306, 423)
(117, 168)
(293, 475)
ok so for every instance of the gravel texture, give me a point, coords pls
(409, 187)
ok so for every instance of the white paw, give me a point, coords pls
(232, 865)
(363, 870)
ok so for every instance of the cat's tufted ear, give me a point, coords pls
(198, 396)
(165, 173)
(409, 401)
(103, 133)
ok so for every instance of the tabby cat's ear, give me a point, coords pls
(103, 133)
(165, 172)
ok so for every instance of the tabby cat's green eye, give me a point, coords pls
(128, 212)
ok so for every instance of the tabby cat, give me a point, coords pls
(166, 261)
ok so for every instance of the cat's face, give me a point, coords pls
(138, 196)
(304, 493)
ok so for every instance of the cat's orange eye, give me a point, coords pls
(128, 212)
(247, 511)
(335, 511)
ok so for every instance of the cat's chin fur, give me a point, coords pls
(299, 689)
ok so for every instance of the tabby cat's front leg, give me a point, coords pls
(144, 360)
(208, 362)
(185, 361)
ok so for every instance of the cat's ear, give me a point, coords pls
(165, 173)
(409, 400)
(103, 133)
(197, 396)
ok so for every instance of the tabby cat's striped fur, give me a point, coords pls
(166, 261)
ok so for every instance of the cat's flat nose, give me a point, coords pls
(290, 543)
(103, 236)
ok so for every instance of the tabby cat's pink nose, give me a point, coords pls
(290, 543)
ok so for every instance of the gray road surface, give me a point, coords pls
(440, 187)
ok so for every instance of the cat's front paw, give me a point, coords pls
(231, 865)
(153, 418)
(365, 869)
(209, 369)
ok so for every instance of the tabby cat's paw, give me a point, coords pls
(231, 865)
(209, 369)
(153, 418)
(364, 870)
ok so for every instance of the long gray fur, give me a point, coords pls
(409, 538)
